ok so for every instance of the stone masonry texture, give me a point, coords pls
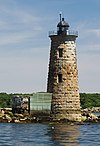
(65, 99)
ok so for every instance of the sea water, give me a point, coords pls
(87, 134)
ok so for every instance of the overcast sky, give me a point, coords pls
(25, 45)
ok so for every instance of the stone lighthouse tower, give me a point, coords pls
(63, 74)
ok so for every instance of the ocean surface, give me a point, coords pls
(12, 134)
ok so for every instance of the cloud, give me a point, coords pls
(88, 56)
(89, 72)
(24, 45)
(89, 38)
(13, 38)
(23, 56)
(23, 74)
(95, 31)
(17, 25)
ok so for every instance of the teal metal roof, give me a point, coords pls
(40, 101)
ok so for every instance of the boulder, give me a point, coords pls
(16, 121)
(19, 115)
(92, 117)
(84, 118)
(8, 118)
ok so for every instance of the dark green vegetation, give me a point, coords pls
(88, 100)
(5, 100)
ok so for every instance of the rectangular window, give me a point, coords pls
(59, 78)
(60, 52)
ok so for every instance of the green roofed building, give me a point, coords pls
(40, 102)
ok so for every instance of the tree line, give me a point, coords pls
(88, 100)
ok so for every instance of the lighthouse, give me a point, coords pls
(63, 74)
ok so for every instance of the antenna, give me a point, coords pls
(60, 15)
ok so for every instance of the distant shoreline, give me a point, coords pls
(87, 100)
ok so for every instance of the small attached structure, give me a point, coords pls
(20, 104)
(40, 103)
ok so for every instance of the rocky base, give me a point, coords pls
(88, 116)
(6, 116)
(93, 109)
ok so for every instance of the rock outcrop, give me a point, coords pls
(6, 116)
(89, 117)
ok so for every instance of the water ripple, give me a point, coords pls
(49, 134)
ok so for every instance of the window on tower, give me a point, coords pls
(60, 52)
(59, 78)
